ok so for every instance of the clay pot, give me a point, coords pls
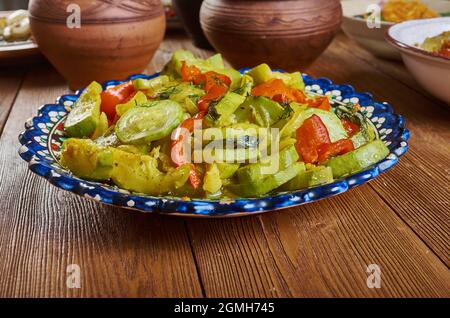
(116, 38)
(189, 13)
(286, 34)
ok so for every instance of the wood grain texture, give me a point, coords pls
(426, 209)
(423, 206)
(317, 250)
(399, 221)
(43, 229)
(10, 81)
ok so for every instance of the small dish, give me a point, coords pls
(43, 137)
(17, 52)
(373, 40)
(173, 21)
(431, 71)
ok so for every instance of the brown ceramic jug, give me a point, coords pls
(286, 34)
(114, 40)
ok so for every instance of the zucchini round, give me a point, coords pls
(145, 124)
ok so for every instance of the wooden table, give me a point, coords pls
(399, 221)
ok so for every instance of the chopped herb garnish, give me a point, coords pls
(287, 110)
(213, 115)
(169, 91)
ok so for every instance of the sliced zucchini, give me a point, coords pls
(358, 159)
(256, 172)
(233, 75)
(102, 127)
(268, 184)
(146, 124)
(83, 119)
(151, 84)
(311, 178)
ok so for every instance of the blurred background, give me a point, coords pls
(13, 4)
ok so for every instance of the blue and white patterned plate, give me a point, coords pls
(42, 139)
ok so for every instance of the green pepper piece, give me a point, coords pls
(294, 80)
(245, 86)
(234, 75)
(311, 178)
(190, 106)
(227, 170)
(256, 172)
(151, 84)
(215, 62)
(261, 73)
(173, 68)
(268, 184)
(265, 111)
(220, 113)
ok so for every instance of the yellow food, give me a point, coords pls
(404, 10)
(435, 43)
(15, 27)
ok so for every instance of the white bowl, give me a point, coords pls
(373, 39)
(431, 71)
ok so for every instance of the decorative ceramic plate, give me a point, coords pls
(43, 137)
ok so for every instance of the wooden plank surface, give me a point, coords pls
(10, 81)
(317, 250)
(44, 229)
(425, 208)
(399, 221)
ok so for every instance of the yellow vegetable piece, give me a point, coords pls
(138, 99)
(212, 182)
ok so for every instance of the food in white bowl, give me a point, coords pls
(355, 24)
(438, 45)
(397, 11)
(431, 70)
